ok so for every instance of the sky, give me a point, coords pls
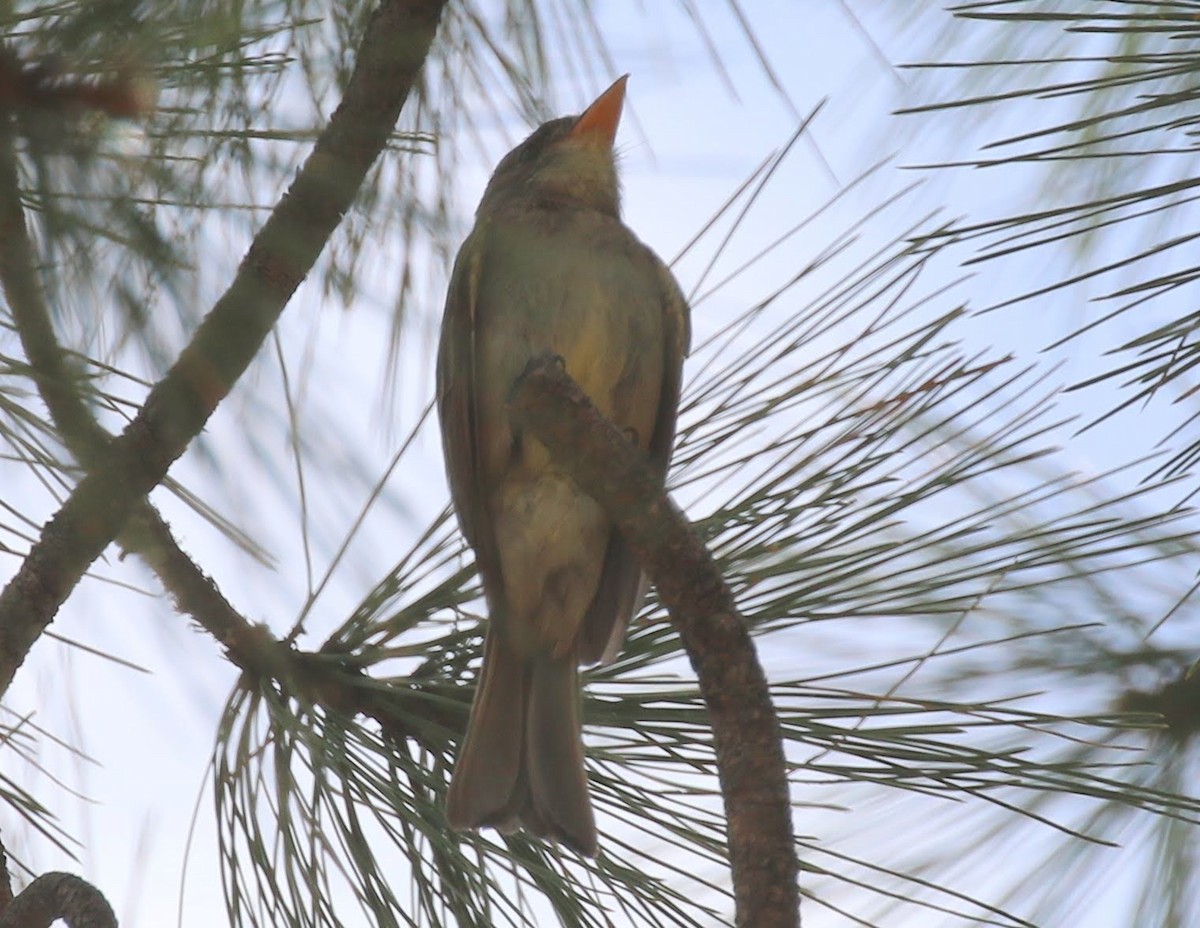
(688, 140)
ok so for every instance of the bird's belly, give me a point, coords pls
(604, 319)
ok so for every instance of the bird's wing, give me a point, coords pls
(457, 392)
(677, 329)
(623, 584)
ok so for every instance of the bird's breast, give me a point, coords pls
(584, 291)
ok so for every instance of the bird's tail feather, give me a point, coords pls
(522, 759)
(554, 764)
(488, 771)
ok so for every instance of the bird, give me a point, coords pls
(549, 268)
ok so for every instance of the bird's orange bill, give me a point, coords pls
(600, 120)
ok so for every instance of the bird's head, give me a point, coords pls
(567, 161)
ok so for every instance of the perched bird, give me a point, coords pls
(549, 268)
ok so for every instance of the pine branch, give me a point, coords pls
(304, 675)
(54, 896)
(395, 44)
(147, 534)
(252, 648)
(746, 732)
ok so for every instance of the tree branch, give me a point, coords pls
(396, 41)
(251, 647)
(59, 895)
(147, 534)
(749, 747)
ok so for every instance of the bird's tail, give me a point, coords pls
(557, 778)
(522, 758)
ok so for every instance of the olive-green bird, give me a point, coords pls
(549, 268)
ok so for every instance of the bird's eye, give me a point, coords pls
(515, 157)
(529, 153)
(542, 139)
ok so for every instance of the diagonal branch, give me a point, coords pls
(746, 733)
(396, 41)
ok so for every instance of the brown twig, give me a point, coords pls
(59, 895)
(394, 46)
(124, 94)
(749, 747)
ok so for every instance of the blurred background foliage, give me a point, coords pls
(981, 638)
